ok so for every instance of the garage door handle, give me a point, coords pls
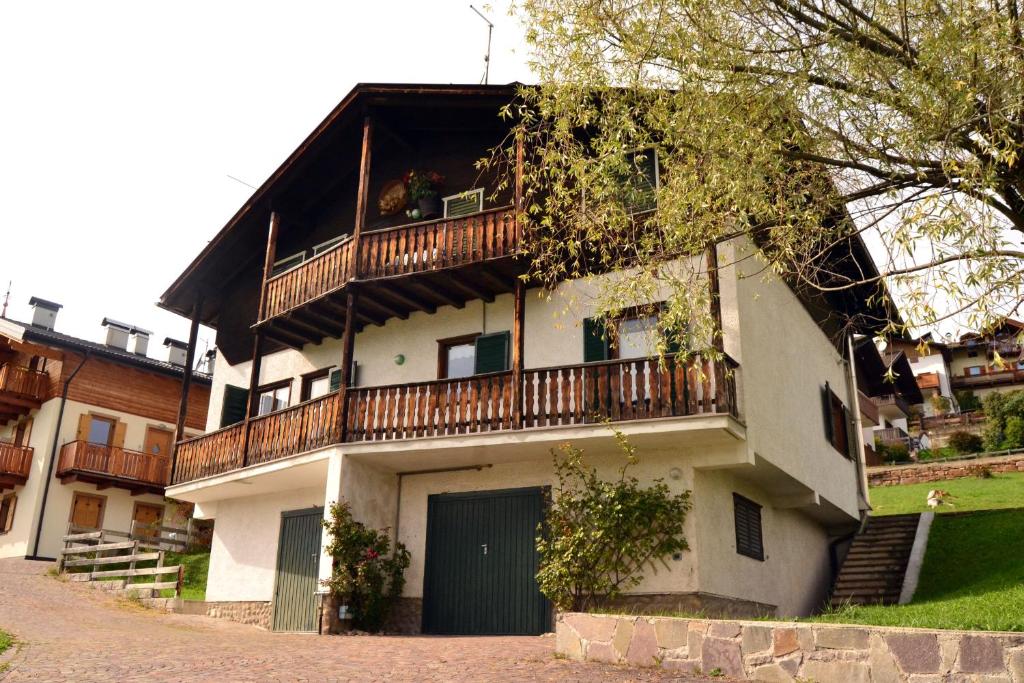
(484, 546)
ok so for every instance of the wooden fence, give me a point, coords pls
(88, 549)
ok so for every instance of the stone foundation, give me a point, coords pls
(940, 471)
(707, 604)
(255, 613)
(406, 617)
(773, 651)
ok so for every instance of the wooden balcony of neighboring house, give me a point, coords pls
(868, 408)
(15, 465)
(399, 270)
(21, 391)
(887, 403)
(891, 435)
(585, 394)
(928, 380)
(110, 466)
(990, 378)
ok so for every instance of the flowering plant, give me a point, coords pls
(422, 184)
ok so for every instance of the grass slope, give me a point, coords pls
(972, 578)
(197, 565)
(972, 493)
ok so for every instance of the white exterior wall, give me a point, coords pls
(933, 363)
(243, 556)
(120, 504)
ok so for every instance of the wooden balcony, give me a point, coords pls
(989, 379)
(21, 391)
(416, 267)
(15, 465)
(106, 466)
(559, 396)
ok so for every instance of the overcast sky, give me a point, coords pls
(120, 122)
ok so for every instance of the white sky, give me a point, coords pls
(120, 121)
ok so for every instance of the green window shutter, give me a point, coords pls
(595, 340)
(335, 380)
(233, 410)
(643, 180)
(826, 405)
(492, 352)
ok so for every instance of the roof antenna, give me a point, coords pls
(487, 57)
(7, 298)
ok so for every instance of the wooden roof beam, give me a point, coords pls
(472, 288)
(443, 295)
(379, 305)
(401, 296)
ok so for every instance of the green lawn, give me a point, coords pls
(197, 565)
(972, 493)
(972, 578)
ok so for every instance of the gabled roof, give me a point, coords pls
(40, 335)
(873, 366)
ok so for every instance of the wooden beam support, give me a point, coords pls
(438, 293)
(498, 281)
(472, 288)
(367, 318)
(254, 383)
(716, 297)
(388, 311)
(282, 336)
(364, 189)
(268, 261)
(410, 300)
(518, 317)
(348, 342)
(186, 381)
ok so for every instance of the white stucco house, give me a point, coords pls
(402, 366)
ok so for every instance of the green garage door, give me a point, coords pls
(481, 564)
(298, 562)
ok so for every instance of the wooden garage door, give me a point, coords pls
(481, 564)
(298, 564)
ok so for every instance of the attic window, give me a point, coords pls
(464, 203)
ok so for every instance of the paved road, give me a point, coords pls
(75, 633)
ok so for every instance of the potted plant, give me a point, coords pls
(423, 189)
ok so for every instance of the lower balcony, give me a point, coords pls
(107, 466)
(21, 391)
(15, 464)
(564, 396)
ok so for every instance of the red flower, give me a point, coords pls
(372, 554)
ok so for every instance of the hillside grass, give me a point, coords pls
(972, 577)
(970, 493)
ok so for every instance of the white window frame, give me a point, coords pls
(328, 245)
(301, 255)
(479, 192)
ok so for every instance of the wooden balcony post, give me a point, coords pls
(268, 262)
(518, 208)
(518, 314)
(186, 382)
(717, 341)
(254, 383)
(361, 198)
(348, 339)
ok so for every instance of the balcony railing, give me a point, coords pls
(618, 390)
(894, 401)
(988, 379)
(891, 435)
(15, 462)
(416, 248)
(23, 382)
(90, 460)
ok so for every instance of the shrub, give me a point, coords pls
(965, 442)
(940, 404)
(599, 535)
(981, 472)
(967, 400)
(366, 576)
(893, 453)
(1013, 433)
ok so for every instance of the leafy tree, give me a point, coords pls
(967, 400)
(940, 404)
(1004, 420)
(367, 575)
(599, 535)
(774, 121)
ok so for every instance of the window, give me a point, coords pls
(464, 203)
(492, 352)
(233, 409)
(273, 397)
(328, 245)
(638, 337)
(836, 421)
(320, 383)
(974, 370)
(456, 357)
(643, 181)
(287, 263)
(7, 504)
(101, 431)
(635, 335)
(749, 540)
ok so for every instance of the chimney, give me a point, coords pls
(117, 334)
(211, 358)
(44, 313)
(177, 351)
(138, 343)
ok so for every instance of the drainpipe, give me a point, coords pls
(858, 428)
(53, 457)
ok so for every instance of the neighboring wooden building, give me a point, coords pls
(402, 365)
(86, 431)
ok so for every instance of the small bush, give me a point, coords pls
(981, 472)
(894, 453)
(965, 442)
(1013, 433)
(967, 400)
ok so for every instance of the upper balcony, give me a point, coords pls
(15, 465)
(993, 378)
(107, 466)
(447, 261)
(21, 391)
(564, 396)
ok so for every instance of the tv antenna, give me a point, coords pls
(487, 57)
(7, 298)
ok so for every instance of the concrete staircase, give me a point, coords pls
(872, 573)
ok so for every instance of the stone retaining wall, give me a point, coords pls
(255, 613)
(940, 471)
(789, 651)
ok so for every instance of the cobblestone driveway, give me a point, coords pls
(75, 633)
